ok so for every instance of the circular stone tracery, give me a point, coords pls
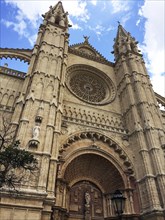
(88, 87)
(90, 84)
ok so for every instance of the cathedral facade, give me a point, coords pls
(94, 126)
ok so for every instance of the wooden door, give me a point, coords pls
(86, 202)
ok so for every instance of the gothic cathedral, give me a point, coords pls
(94, 126)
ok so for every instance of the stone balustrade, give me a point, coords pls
(8, 71)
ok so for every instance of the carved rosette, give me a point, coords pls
(90, 85)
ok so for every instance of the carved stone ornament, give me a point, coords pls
(90, 84)
(33, 143)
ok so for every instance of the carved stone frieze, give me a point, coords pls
(93, 119)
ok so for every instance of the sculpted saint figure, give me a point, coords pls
(87, 198)
(36, 131)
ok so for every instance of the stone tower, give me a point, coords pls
(94, 126)
(143, 121)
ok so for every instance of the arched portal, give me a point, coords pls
(96, 175)
(97, 167)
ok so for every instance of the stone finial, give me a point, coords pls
(86, 38)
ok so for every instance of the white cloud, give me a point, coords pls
(125, 18)
(123, 8)
(120, 6)
(94, 2)
(110, 28)
(75, 26)
(32, 39)
(18, 27)
(138, 22)
(77, 9)
(98, 29)
(154, 45)
(29, 13)
(158, 82)
(30, 10)
(33, 9)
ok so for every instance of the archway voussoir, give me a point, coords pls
(86, 138)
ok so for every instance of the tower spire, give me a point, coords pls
(124, 42)
(56, 15)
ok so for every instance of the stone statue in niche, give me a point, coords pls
(35, 134)
(36, 131)
(87, 206)
(87, 199)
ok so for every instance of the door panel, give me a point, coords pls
(81, 206)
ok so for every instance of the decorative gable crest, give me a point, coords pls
(86, 50)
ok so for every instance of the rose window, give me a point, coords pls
(89, 85)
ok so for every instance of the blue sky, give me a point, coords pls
(20, 19)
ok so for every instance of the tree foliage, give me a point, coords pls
(14, 161)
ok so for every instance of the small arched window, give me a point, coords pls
(57, 21)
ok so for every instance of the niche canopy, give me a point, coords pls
(90, 85)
